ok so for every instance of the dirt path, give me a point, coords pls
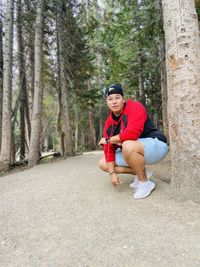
(68, 214)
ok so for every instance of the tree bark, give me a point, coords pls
(76, 127)
(91, 130)
(163, 77)
(59, 124)
(1, 77)
(59, 114)
(36, 123)
(163, 74)
(141, 94)
(64, 83)
(141, 78)
(7, 89)
(24, 109)
(14, 121)
(100, 121)
(183, 69)
(30, 57)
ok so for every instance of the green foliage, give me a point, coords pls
(117, 37)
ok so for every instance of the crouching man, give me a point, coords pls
(131, 140)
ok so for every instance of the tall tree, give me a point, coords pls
(183, 68)
(36, 123)
(24, 107)
(63, 42)
(5, 158)
(29, 39)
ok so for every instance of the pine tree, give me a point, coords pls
(36, 123)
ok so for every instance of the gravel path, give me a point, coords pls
(68, 214)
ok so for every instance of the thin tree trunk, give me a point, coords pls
(24, 110)
(141, 79)
(30, 10)
(64, 84)
(30, 72)
(7, 89)
(14, 120)
(59, 114)
(1, 77)
(59, 124)
(91, 130)
(31, 55)
(100, 122)
(163, 76)
(141, 94)
(183, 69)
(36, 123)
(76, 128)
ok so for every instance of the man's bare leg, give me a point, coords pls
(118, 169)
(133, 152)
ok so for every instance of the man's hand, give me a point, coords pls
(115, 179)
(102, 142)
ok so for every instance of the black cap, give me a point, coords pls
(113, 89)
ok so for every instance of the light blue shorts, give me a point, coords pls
(154, 151)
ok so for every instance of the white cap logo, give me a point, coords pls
(111, 88)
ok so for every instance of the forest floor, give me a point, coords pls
(67, 213)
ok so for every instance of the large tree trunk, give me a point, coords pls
(7, 89)
(36, 123)
(1, 77)
(183, 69)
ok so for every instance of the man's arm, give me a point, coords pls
(114, 177)
(115, 140)
(112, 140)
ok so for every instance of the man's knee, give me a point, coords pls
(103, 165)
(129, 147)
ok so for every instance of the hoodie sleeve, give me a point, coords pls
(136, 115)
(109, 149)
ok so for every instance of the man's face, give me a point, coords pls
(115, 102)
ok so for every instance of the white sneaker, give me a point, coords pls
(135, 181)
(144, 189)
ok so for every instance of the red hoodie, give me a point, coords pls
(131, 121)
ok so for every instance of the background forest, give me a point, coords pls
(56, 57)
